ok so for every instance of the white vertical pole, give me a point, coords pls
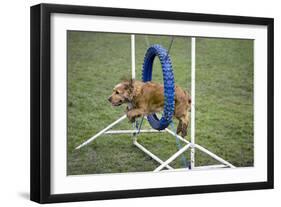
(133, 56)
(192, 151)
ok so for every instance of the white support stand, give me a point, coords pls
(188, 145)
(192, 126)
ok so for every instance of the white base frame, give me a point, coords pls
(164, 165)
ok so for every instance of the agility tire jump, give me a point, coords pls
(169, 85)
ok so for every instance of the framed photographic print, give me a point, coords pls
(132, 103)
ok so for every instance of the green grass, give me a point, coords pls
(224, 101)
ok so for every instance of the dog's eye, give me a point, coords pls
(116, 92)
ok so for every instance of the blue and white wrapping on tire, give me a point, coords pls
(169, 84)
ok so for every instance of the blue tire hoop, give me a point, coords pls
(169, 85)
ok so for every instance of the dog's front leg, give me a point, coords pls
(134, 113)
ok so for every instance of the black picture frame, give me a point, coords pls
(41, 98)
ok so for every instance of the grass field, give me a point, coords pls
(224, 101)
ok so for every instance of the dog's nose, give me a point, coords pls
(109, 98)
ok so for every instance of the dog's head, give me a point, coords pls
(122, 93)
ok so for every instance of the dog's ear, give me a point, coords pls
(130, 85)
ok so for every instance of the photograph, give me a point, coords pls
(135, 103)
(103, 86)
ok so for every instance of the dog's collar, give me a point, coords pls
(130, 105)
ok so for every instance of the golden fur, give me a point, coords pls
(145, 98)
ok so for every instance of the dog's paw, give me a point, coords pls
(184, 130)
(183, 133)
(131, 118)
(179, 128)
